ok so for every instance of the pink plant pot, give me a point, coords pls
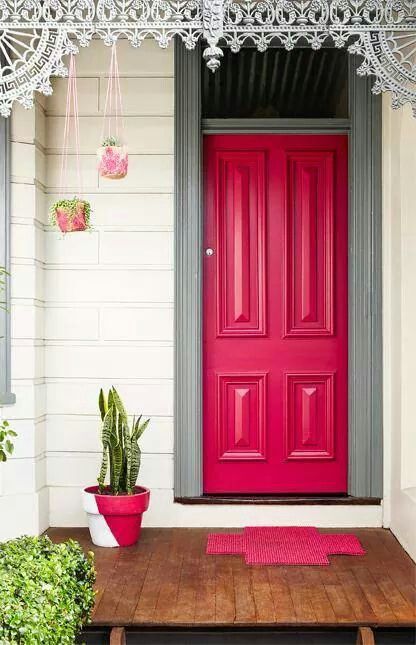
(113, 162)
(68, 224)
(115, 520)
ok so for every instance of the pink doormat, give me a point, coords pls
(283, 545)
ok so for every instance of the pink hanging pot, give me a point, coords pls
(71, 215)
(113, 159)
(112, 156)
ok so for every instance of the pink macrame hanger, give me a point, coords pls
(113, 109)
(71, 112)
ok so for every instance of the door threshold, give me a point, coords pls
(325, 500)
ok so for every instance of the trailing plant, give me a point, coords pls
(110, 142)
(72, 209)
(6, 444)
(46, 591)
(121, 451)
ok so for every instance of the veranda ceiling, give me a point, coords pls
(35, 35)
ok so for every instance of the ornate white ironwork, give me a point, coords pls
(35, 35)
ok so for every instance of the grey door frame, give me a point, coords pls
(365, 266)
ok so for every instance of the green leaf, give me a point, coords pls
(9, 447)
(102, 404)
(105, 438)
(127, 448)
(136, 456)
(119, 405)
(138, 431)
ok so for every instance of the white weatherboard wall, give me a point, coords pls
(23, 491)
(399, 322)
(109, 293)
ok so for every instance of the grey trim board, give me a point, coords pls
(315, 126)
(365, 290)
(365, 315)
(6, 396)
(188, 272)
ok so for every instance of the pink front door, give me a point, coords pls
(275, 314)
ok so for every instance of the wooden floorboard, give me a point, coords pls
(168, 580)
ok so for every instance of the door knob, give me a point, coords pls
(209, 252)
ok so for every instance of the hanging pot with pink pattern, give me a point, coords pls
(70, 215)
(113, 161)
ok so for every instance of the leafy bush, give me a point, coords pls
(120, 445)
(46, 591)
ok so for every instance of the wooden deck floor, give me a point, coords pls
(167, 580)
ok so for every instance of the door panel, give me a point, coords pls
(241, 244)
(275, 314)
(309, 243)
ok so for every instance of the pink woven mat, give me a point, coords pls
(295, 545)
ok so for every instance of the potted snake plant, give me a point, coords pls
(115, 510)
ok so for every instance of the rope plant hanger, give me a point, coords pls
(70, 215)
(112, 155)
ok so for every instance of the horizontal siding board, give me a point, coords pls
(142, 135)
(73, 249)
(94, 286)
(81, 433)
(72, 323)
(72, 396)
(108, 362)
(81, 469)
(119, 247)
(129, 210)
(137, 324)
(147, 173)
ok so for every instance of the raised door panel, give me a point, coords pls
(309, 298)
(241, 244)
(241, 417)
(309, 428)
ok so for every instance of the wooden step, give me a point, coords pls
(118, 636)
(365, 636)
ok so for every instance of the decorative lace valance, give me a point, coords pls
(35, 35)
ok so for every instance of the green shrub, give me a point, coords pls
(46, 591)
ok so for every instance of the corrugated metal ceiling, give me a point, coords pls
(277, 83)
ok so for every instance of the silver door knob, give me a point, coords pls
(209, 252)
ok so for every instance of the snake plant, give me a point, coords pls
(121, 451)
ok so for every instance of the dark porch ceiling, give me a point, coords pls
(277, 83)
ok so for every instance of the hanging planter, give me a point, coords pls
(70, 215)
(113, 159)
